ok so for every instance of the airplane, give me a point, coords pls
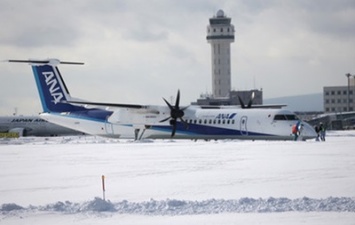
(22, 126)
(170, 121)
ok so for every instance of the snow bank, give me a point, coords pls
(174, 207)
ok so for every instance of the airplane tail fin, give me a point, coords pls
(50, 84)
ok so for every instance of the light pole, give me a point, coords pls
(348, 76)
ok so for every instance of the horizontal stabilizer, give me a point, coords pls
(47, 61)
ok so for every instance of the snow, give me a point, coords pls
(58, 180)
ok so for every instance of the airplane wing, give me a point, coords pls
(118, 105)
(276, 106)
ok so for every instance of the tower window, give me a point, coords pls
(221, 29)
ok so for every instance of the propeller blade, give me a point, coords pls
(174, 130)
(170, 106)
(164, 119)
(177, 102)
(185, 123)
(251, 100)
(241, 102)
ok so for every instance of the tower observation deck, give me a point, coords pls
(220, 34)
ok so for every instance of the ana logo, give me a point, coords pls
(54, 89)
(227, 116)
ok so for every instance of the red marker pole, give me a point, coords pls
(103, 186)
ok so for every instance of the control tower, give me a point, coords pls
(220, 34)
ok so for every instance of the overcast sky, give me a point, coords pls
(140, 51)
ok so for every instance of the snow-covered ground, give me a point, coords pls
(58, 181)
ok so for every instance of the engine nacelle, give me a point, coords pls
(20, 131)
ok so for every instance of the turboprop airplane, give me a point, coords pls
(135, 121)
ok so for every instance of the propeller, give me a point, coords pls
(175, 113)
(249, 103)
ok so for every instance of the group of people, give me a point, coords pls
(320, 130)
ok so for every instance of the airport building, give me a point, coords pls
(339, 106)
(339, 99)
(220, 35)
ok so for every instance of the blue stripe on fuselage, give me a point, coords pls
(199, 129)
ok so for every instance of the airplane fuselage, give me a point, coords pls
(32, 126)
(200, 123)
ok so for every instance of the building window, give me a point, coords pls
(339, 92)
(332, 92)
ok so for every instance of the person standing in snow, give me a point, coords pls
(322, 131)
(296, 130)
(316, 129)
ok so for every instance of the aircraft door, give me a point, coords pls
(109, 128)
(243, 125)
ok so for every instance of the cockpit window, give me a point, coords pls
(286, 117)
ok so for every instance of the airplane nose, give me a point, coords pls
(308, 131)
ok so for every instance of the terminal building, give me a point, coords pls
(340, 98)
(220, 35)
(339, 106)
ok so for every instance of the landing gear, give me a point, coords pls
(139, 132)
